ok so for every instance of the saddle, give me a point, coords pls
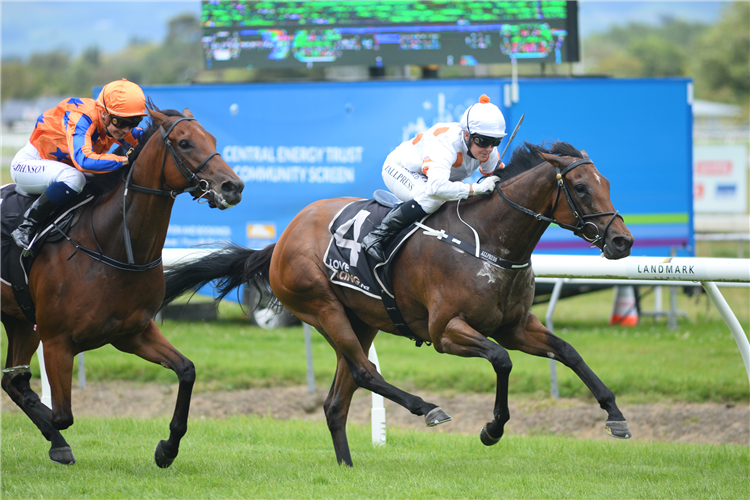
(14, 267)
(350, 266)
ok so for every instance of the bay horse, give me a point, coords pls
(463, 305)
(86, 298)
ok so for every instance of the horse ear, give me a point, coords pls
(187, 113)
(157, 116)
(552, 159)
(583, 152)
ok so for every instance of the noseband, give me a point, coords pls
(581, 218)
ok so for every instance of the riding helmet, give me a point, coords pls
(123, 98)
(484, 118)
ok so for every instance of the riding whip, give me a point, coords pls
(515, 131)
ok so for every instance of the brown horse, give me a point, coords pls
(448, 297)
(87, 298)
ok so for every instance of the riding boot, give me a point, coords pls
(33, 217)
(397, 219)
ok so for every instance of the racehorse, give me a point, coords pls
(88, 298)
(448, 297)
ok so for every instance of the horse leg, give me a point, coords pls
(533, 338)
(336, 409)
(152, 346)
(22, 343)
(460, 339)
(339, 398)
(332, 318)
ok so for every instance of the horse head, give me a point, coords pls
(588, 212)
(195, 165)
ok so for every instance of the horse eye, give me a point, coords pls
(184, 144)
(580, 188)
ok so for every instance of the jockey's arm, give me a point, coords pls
(79, 134)
(440, 186)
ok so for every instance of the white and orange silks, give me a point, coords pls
(431, 167)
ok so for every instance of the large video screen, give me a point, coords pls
(376, 33)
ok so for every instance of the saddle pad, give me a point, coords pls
(347, 262)
(12, 206)
(14, 268)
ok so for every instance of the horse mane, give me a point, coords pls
(103, 183)
(526, 157)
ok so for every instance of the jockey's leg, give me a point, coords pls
(397, 219)
(409, 187)
(56, 182)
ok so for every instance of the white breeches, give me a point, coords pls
(408, 185)
(33, 174)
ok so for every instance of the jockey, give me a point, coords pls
(429, 169)
(70, 139)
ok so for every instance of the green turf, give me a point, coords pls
(697, 362)
(255, 457)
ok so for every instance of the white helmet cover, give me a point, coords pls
(484, 118)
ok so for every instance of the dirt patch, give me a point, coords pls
(712, 423)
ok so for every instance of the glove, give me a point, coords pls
(485, 186)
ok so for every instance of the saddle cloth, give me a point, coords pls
(14, 268)
(347, 262)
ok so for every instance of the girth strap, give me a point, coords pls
(469, 248)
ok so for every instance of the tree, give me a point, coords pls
(180, 58)
(658, 57)
(722, 58)
(641, 50)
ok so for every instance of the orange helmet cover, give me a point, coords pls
(123, 98)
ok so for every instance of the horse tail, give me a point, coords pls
(230, 267)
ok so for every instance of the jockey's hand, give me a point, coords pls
(484, 187)
(126, 161)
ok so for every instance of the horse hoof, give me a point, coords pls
(618, 429)
(437, 416)
(161, 458)
(485, 437)
(62, 455)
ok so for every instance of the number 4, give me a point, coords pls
(353, 245)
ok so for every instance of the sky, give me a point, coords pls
(30, 26)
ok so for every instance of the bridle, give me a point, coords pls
(195, 183)
(581, 218)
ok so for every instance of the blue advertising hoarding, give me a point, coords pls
(296, 143)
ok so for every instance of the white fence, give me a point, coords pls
(567, 268)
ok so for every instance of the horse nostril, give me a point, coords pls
(620, 243)
(228, 187)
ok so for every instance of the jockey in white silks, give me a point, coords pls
(428, 170)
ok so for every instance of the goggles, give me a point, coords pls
(122, 123)
(484, 141)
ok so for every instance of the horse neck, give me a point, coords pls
(505, 230)
(147, 214)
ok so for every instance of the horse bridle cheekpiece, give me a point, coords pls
(194, 182)
(581, 218)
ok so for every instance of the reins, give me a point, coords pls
(581, 218)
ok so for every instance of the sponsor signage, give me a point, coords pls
(296, 143)
(720, 179)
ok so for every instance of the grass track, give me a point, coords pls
(260, 458)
